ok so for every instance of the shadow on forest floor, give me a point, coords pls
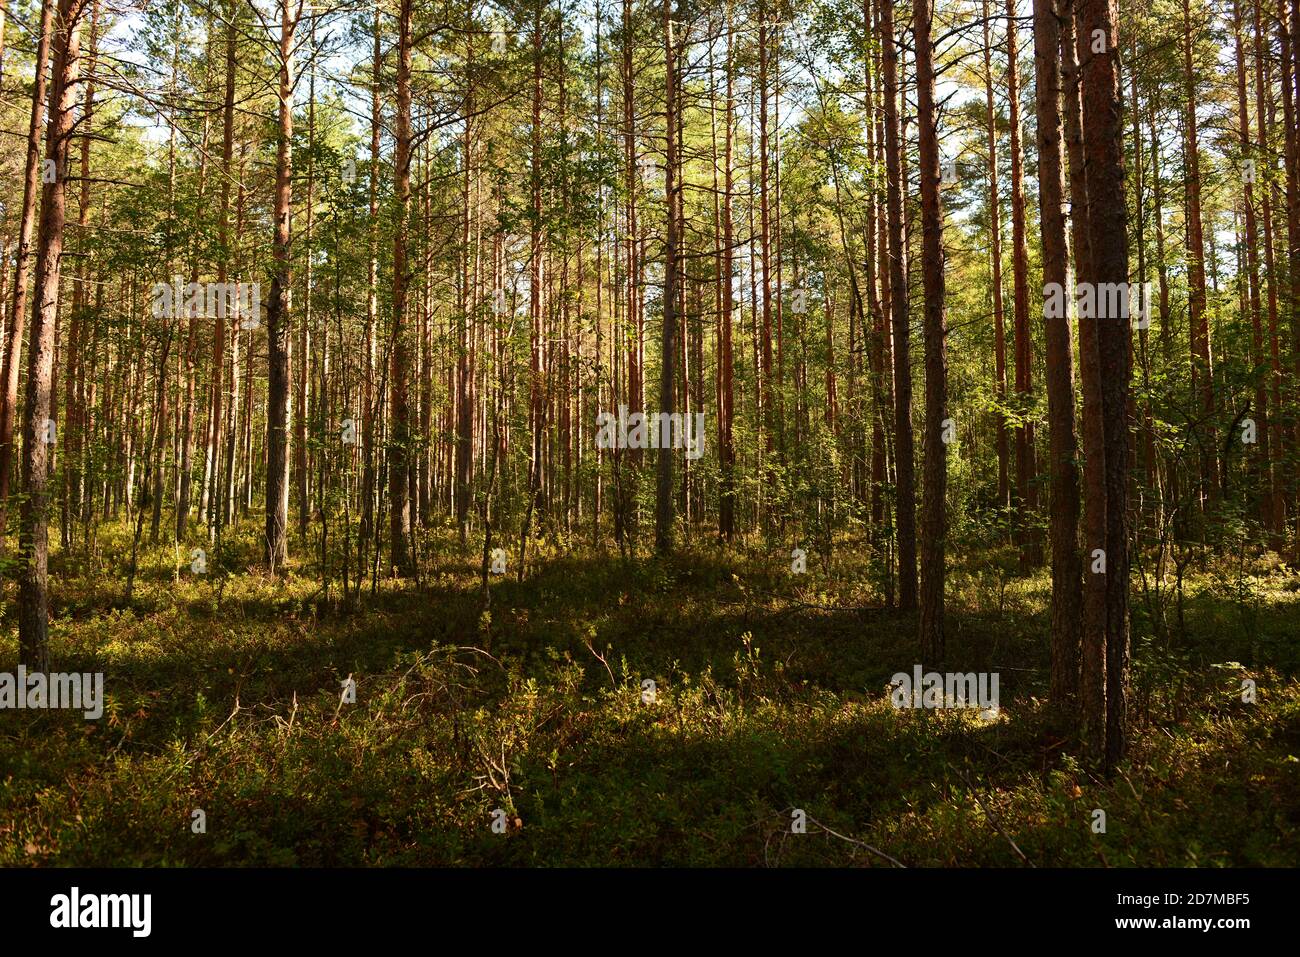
(769, 697)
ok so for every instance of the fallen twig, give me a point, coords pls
(853, 840)
(994, 819)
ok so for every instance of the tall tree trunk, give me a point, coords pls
(995, 251)
(879, 338)
(18, 302)
(366, 529)
(939, 429)
(1198, 317)
(1067, 597)
(1026, 489)
(302, 390)
(1289, 41)
(903, 441)
(214, 433)
(1276, 521)
(277, 313)
(1108, 234)
(464, 386)
(1262, 464)
(664, 503)
(1092, 679)
(726, 398)
(537, 417)
(33, 597)
(399, 427)
(190, 357)
(765, 225)
(74, 368)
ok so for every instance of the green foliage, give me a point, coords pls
(223, 694)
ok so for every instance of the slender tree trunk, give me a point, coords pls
(18, 301)
(74, 368)
(664, 503)
(372, 308)
(1108, 234)
(726, 401)
(277, 314)
(1067, 596)
(1289, 41)
(302, 390)
(189, 360)
(464, 388)
(214, 433)
(1262, 464)
(765, 225)
(1092, 681)
(939, 428)
(1276, 521)
(1202, 371)
(903, 440)
(38, 430)
(536, 307)
(995, 251)
(399, 439)
(1026, 487)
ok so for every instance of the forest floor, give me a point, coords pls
(224, 695)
